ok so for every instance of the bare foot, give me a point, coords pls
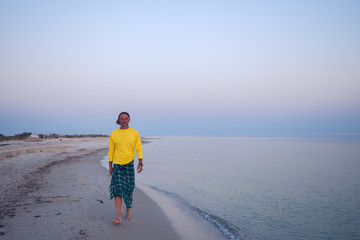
(128, 218)
(116, 221)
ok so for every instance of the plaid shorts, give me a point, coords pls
(123, 182)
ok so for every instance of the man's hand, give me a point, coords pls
(139, 168)
(110, 168)
(140, 165)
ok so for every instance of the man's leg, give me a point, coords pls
(118, 202)
(128, 218)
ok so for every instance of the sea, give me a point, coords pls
(304, 187)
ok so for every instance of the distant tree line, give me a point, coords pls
(24, 135)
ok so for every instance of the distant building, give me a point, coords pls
(33, 138)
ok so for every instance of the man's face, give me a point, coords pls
(124, 120)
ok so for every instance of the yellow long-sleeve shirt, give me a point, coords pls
(122, 146)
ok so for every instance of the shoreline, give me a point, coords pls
(188, 223)
(58, 190)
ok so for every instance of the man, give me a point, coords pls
(123, 143)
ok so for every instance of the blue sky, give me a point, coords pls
(229, 68)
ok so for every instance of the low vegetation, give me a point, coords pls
(24, 135)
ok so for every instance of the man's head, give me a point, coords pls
(123, 119)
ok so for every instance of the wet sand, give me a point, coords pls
(58, 190)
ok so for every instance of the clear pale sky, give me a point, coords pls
(222, 68)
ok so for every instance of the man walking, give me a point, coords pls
(123, 143)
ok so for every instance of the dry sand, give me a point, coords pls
(58, 190)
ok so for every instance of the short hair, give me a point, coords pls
(117, 120)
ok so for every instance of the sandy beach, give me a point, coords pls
(56, 189)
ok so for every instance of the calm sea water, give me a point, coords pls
(262, 188)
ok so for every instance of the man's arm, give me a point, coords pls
(138, 149)
(111, 154)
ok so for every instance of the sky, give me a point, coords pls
(206, 68)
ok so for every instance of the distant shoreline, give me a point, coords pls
(25, 135)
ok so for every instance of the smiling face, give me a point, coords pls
(124, 120)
